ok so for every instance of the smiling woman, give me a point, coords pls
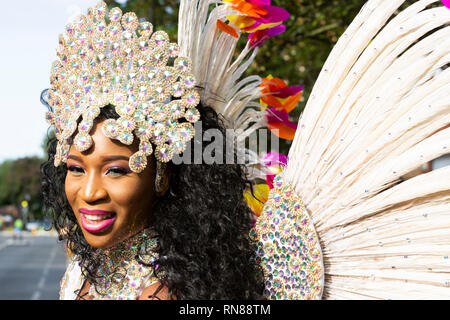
(122, 103)
(135, 236)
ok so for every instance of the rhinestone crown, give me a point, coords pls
(112, 58)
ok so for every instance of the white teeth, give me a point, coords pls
(96, 217)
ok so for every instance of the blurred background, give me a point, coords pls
(32, 261)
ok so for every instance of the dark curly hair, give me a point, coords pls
(202, 221)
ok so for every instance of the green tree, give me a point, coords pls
(20, 180)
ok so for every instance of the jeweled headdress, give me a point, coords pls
(112, 58)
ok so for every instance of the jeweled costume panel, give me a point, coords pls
(288, 246)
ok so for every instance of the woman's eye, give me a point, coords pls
(117, 171)
(75, 170)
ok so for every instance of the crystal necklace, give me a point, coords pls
(127, 268)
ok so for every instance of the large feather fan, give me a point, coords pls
(371, 117)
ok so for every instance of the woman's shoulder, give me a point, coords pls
(156, 291)
(71, 281)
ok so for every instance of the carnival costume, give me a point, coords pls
(339, 221)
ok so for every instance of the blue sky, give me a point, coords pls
(29, 36)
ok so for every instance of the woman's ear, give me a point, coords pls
(162, 182)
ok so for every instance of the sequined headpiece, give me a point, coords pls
(111, 58)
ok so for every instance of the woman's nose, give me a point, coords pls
(93, 189)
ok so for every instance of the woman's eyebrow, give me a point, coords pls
(114, 157)
(103, 158)
(76, 158)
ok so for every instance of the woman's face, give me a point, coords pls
(110, 201)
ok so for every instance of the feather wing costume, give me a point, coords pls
(341, 221)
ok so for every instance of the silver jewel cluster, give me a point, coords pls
(128, 268)
(112, 58)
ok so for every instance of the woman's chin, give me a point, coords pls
(97, 241)
(101, 240)
(101, 237)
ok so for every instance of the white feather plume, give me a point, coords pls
(218, 72)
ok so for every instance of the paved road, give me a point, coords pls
(32, 268)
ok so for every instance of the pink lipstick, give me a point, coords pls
(96, 220)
